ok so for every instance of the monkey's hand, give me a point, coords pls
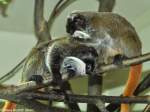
(119, 58)
(37, 78)
(81, 35)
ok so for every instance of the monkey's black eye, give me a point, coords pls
(89, 65)
(79, 21)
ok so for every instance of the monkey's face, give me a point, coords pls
(79, 25)
(75, 22)
(74, 67)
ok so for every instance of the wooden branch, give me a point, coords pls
(109, 99)
(59, 7)
(143, 86)
(147, 108)
(40, 24)
(106, 5)
(87, 98)
(26, 98)
(31, 85)
(125, 63)
(9, 93)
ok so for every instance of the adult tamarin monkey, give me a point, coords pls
(112, 36)
(48, 60)
(55, 53)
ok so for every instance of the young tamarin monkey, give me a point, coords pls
(113, 37)
(49, 60)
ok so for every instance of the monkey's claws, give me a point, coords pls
(37, 78)
(118, 59)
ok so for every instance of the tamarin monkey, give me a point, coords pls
(113, 37)
(48, 59)
(32, 64)
(54, 55)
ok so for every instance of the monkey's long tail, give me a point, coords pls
(132, 83)
(9, 107)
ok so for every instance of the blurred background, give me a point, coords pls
(17, 36)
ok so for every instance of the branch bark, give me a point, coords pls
(125, 63)
(31, 86)
(59, 7)
(147, 108)
(106, 5)
(40, 24)
(87, 98)
(9, 93)
(143, 86)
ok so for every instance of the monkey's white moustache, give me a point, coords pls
(81, 35)
(78, 65)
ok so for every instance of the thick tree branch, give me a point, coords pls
(31, 85)
(59, 7)
(9, 93)
(87, 99)
(106, 5)
(125, 63)
(40, 24)
(147, 108)
(144, 85)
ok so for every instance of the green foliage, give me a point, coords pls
(3, 6)
(5, 2)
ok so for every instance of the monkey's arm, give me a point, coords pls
(31, 67)
(54, 62)
(34, 66)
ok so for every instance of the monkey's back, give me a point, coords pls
(117, 28)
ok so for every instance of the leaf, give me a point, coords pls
(4, 6)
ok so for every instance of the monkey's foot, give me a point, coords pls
(37, 78)
(118, 59)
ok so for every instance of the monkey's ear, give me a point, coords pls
(37, 78)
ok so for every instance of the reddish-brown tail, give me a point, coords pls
(9, 107)
(133, 80)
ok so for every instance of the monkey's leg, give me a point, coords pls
(66, 88)
(94, 88)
